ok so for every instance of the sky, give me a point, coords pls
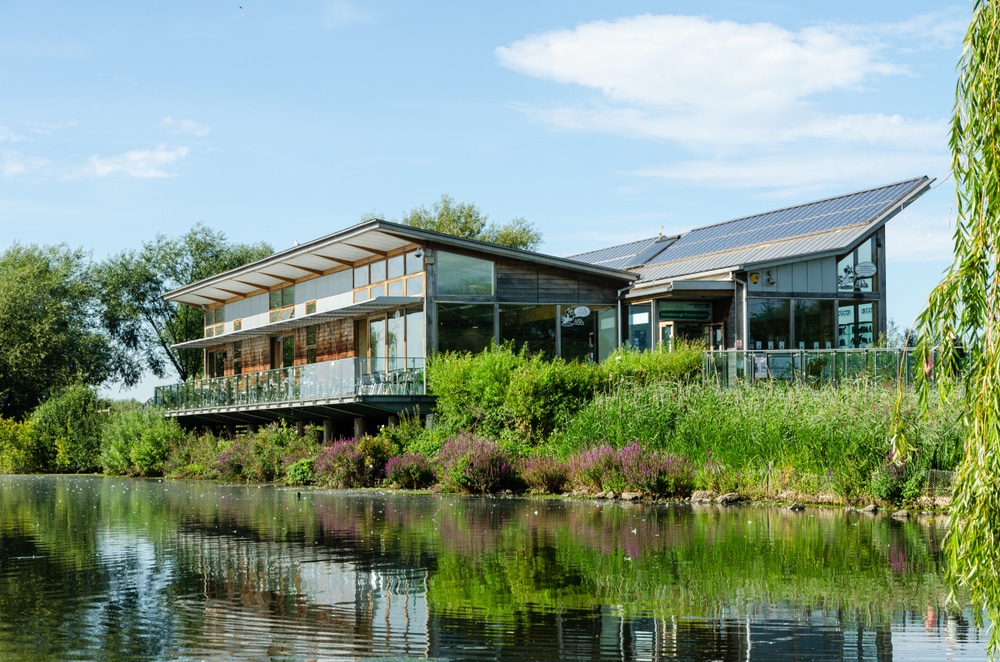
(598, 122)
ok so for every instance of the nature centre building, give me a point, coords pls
(336, 331)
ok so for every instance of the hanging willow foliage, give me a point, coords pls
(962, 317)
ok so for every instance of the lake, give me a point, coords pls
(126, 569)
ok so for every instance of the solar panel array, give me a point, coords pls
(814, 217)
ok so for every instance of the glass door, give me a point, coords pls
(377, 343)
(667, 335)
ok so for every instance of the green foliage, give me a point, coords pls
(464, 219)
(68, 428)
(409, 470)
(19, 448)
(522, 400)
(767, 438)
(468, 463)
(133, 311)
(544, 474)
(301, 472)
(961, 317)
(47, 328)
(375, 452)
(136, 441)
(341, 464)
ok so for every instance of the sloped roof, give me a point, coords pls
(343, 249)
(816, 228)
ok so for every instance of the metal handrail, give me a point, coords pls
(815, 366)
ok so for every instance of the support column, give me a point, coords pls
(327, 430)
(359, 427)
(252, 428)
(393, 421)
(300, 428)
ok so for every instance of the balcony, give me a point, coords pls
(353, 380)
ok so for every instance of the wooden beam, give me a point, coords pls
(368, 249)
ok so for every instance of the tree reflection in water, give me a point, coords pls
(131, 569)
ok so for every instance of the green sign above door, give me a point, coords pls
(687, 311)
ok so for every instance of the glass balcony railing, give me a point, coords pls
(813, 366)
(331, 379)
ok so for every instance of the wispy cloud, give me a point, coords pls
(695, 80)
(143, 164)
(342, 13)
(13, 164)
(184, 127)
(7, 135)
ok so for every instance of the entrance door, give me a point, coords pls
(667, 335)
(713, 336)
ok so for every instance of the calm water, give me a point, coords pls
(105, 568)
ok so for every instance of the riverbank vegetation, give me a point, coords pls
(643, 423)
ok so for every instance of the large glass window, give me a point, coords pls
(588, 332)
(856, 326)
(461, 274)
(415, 333)
(534, 326)
(281, 304)
(464, 327)
(770, 323)
(856, 270)
(640, 326)
(396, 341)
(814, 324)
(215, 321)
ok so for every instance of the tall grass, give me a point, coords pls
(766, 439)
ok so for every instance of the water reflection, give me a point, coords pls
(126, 569)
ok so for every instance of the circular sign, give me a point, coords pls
(865, 270)
(581, 311)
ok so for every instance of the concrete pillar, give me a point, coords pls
(300, 428)
(327, 430)
(252, 428)
(393, 421)
(359, 427)
(231, 429)
(429, 421)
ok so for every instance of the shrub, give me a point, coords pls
(545, 474)
(233, 457)
(469, 464)
(341, 464)
(375, 452)
(633, 468)
(410, 470)
(137, 441)
(896, 482)
(543, 395)
(301, 472)
(68, 430)
(20, 451)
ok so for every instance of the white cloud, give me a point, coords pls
(183, 127)
(718, 83)
(342, 13)
(13, 164)
(9, 136)
(137, 163)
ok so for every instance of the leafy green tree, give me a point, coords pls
(963, 316)
(132, 283)
(49, 334)
(464, 219)
(67, 427)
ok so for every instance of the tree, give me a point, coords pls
(132, 283)
(49, 334)
(963, 315)
(464, 219)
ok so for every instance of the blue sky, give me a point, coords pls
(599, 122)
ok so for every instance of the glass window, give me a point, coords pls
(770, 323)
(311, 335)
(361, 295)
(856, 326)
(378, 290)
(414, 286)
(274, 299)
(581, 328)
(394, 288)
(534, 326)
(814, 324)
(238, 358)
(461, 274)
(377, 271)
(361, 276)
(414, 264)
(415, 334)
(639, 326)
(464, 327)
(856, 270)
(395, 341)
(395, 267)
(281, 298)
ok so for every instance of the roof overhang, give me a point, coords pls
(344, 249)
(683, 288)
(354, 310)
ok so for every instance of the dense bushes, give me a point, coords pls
(523, 399)
(137, 441)
(68, 430)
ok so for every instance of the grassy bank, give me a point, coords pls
(640, 422)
